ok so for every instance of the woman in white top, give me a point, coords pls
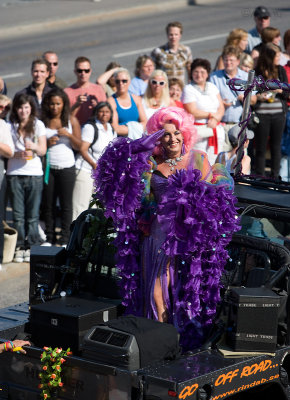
(6, 151)
(157, 93)
(202, 99)
(63, 135)
(24, 173)
(96, 135)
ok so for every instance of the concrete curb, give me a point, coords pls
(90, 18)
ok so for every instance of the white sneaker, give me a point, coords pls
(19, 256)
(26, 256)
(47, 244)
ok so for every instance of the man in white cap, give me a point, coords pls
(229, 158)
(262, 20)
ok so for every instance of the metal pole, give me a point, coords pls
(246, 108)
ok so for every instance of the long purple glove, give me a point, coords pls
(146, 143)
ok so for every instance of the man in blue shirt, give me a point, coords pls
(233, 101)
(262, 20)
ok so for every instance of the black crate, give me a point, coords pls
(63, 322)
(253, 319)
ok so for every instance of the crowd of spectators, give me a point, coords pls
(55, 133)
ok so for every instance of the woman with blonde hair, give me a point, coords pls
(157, 93)
(246, 62)
(237, 38)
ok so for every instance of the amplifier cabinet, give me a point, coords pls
(63, 322)
(253, 319)
(45, 263)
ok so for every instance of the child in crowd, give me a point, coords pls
(175, 91)
(229, 158)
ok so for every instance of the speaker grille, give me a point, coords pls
(100, 335)
(118, 339)
(113, 338)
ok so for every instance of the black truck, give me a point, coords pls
(74, 294)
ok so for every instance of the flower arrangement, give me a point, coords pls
(52, 360)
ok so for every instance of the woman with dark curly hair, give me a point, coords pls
(24, 173)
(271, 108)
(63, 136)
(202, 99)
(97, 133)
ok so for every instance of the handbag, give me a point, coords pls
(203, 131)
(253, 121)
(10, 240)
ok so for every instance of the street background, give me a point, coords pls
(104, 31)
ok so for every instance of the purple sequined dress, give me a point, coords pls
(153, 258)
(189, 230)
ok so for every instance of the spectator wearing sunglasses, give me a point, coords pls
(84, 95)
(39, 86)
(262, 20)
(157, 93)
(129, 118)
(173, 58)
(52, 58)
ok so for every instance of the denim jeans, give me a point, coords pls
(26, 196)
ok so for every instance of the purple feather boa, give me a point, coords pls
(119, 186)
(199, 219)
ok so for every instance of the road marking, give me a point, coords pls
(16, 75)
(198, 40)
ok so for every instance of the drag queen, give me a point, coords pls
(174, 215)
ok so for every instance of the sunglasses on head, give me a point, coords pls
(154, 82)
(118, 81)
(54, 63)
(79, 70)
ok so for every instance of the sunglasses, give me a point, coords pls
(265, 18)
(79, 70)
(160, 83)
(6, 108)
(55, 64)
(118, 81)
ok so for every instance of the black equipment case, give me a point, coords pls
(253, 319)
(63, 322)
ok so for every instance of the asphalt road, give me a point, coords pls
(127, 36)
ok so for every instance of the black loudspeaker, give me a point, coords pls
(63, 322)
(45, 263)
(253, 319)
(131, 342)
(112, 347)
